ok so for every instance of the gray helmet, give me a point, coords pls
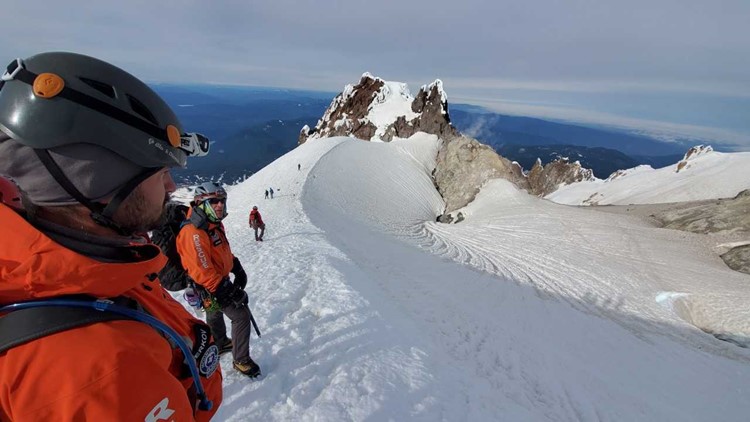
(203, 196)
(208, 190)
(55, 99)
(53, 102)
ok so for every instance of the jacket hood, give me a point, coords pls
(34, 266)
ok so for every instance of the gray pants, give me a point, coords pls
(262, 228)
(241, 326)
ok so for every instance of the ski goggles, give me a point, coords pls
(194, 144)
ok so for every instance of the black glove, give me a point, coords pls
(228, 294)
(240, 276)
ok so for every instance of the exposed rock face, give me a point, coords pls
(714, 216)
(738, 259)
(432, 108)
(464, 165)
(691, 154)
(359, 112)
(545, 180)
(382, 110)
(626, 172)
(722, 216)
(347, 114)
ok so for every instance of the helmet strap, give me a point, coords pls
(127, 189)
(100, 213)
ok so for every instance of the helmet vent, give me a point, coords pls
(105, 89)
(142, 110)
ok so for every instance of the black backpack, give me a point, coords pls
(173, 276)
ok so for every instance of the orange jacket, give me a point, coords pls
(205, 254)
(109, 371)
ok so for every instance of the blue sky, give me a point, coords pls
(672, 67)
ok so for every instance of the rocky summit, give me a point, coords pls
(375, 109)
(379, 110)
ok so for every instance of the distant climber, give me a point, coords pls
(299, 167)
(270, 191)
(256, 222)
(266, 193)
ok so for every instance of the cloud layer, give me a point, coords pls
(690, 46)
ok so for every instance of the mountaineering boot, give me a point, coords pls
(226, 347)
(249, 368)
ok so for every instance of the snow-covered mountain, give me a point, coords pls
(526, 310)
(702, 174)
(379, 110)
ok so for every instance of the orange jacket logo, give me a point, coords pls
(160, 412)
(199, 249)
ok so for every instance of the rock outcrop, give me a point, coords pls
(464, 165)
(377, 109)
(738, 259)
(712, 216)
(431, 107)
(718, 216)
(691, 154)
(546, 179)
(347, 114)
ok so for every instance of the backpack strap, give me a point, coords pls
(29, 324)
(27, 321)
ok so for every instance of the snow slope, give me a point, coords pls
(707, 176)
(527, 310)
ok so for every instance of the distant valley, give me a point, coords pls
(250, 127)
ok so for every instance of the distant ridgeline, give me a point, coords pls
(250, 127)
(602, 161)
(375, 109)
(524, 139)
(243, 153)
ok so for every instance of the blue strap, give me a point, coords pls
(104, 305)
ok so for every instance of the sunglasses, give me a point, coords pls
(214, 201)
